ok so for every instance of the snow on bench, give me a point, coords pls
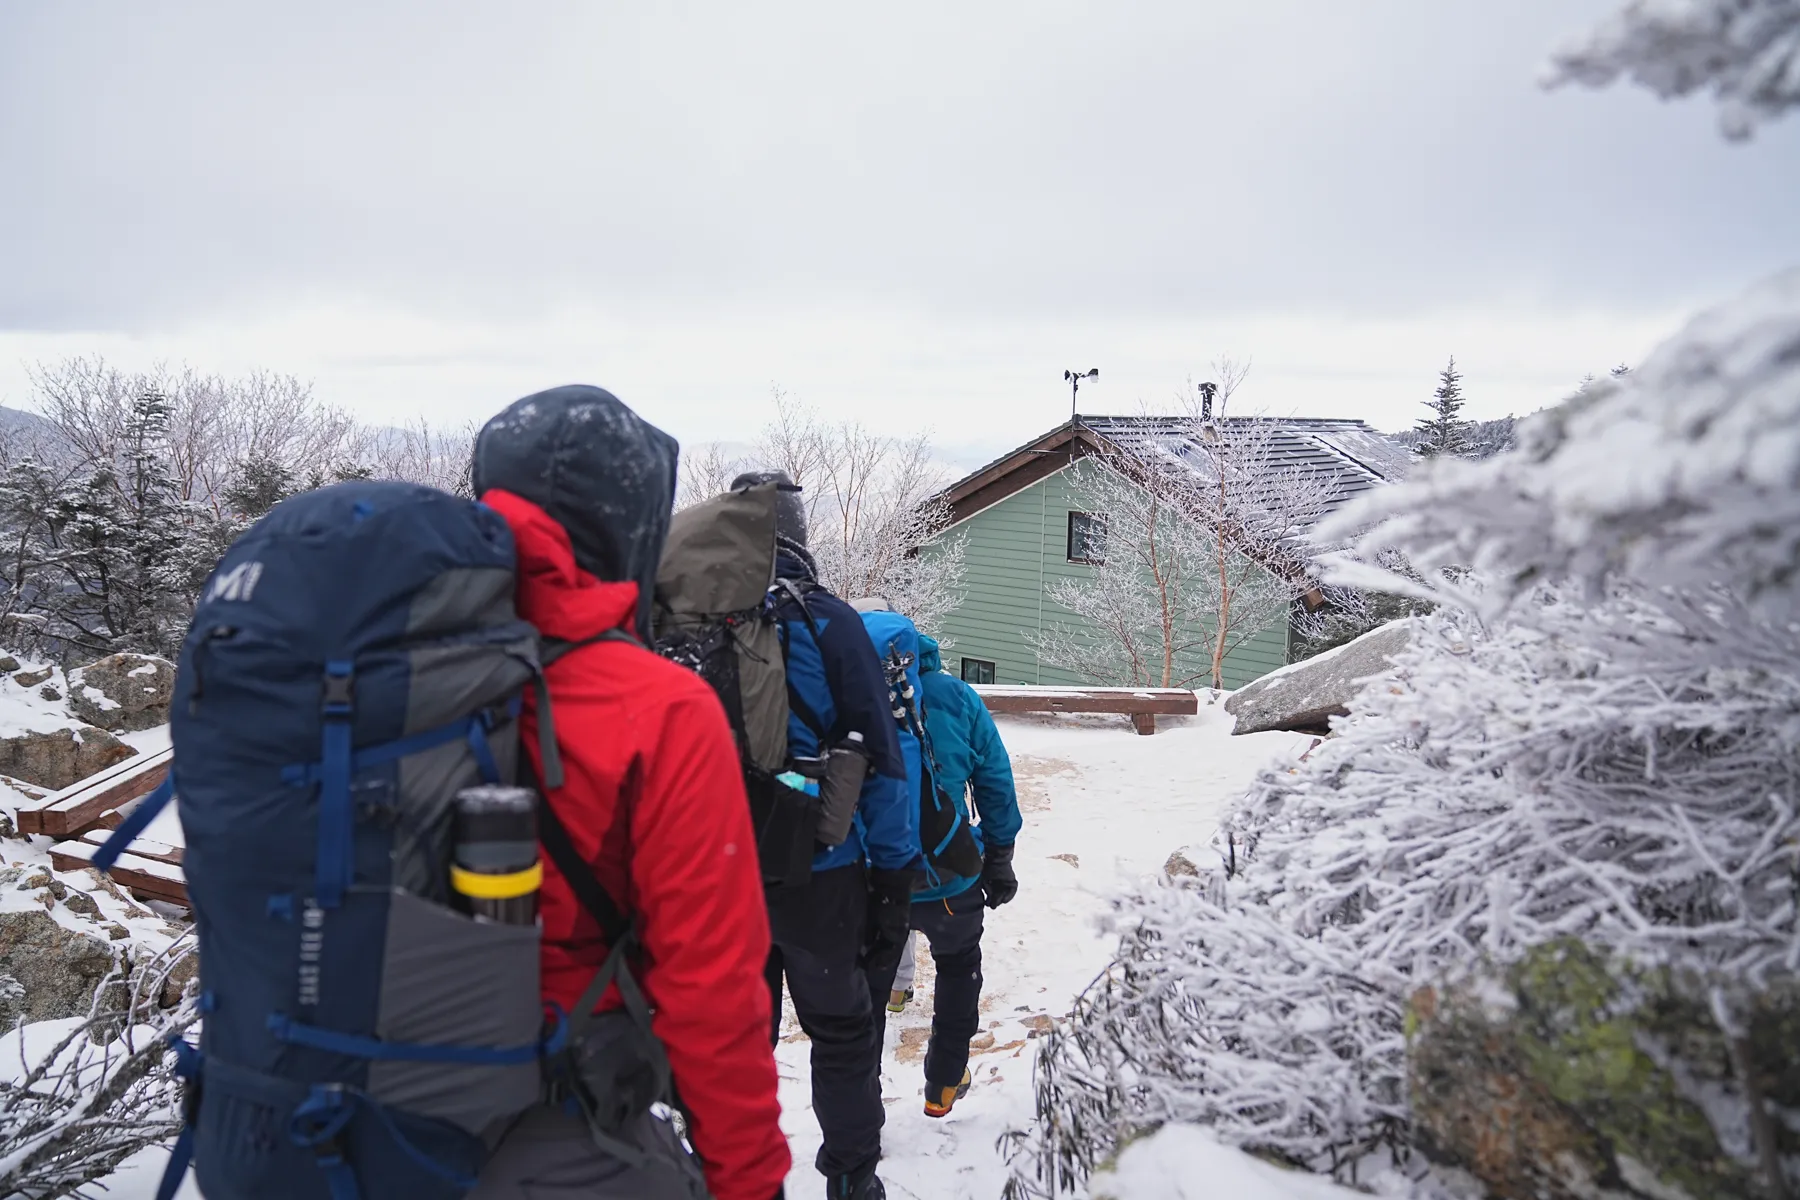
(97, 799)
(150, 870)
(1143, 705)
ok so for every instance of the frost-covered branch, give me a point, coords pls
(98, 1090)
(1745, 52)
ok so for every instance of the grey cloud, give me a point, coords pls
(182, 160)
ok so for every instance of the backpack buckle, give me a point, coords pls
(339, 690)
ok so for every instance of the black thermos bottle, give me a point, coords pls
(495, 869)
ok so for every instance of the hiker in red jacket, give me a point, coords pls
(653, 801)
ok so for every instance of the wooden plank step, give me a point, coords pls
(1143, 705)
(143, 847)
(146, 878)
(86, 804)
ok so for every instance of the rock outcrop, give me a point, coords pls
(1568, 1077)
(48, 972)
(123, 692)
(59, 757)
(1305, 696)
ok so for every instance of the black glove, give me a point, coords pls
(890, 907)
(997, 878)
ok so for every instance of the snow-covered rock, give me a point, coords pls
(57, 758)
(48, 971)
(1305, 696)
(43, 742)
(1184, 1162)
(125, 692)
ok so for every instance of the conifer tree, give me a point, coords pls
(261, 482)
(1446, 430)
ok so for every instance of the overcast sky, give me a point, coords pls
(916, 215)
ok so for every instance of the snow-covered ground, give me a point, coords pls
(1101, 806)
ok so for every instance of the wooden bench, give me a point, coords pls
(1142, 705)
(149, 870)
(97, 800)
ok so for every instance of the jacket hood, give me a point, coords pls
(555, 594)
(595, 468)
(928, 654)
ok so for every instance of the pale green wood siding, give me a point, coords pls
(1016, 549)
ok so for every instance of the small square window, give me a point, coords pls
(1087, 538)
(977, 670)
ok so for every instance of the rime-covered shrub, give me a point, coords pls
(1595, 736)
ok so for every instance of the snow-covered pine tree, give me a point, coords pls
(260, 482)
(1593, 738)
(1446, 430)
(154, 581)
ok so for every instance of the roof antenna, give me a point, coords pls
(1207, 391)
(1074, 379)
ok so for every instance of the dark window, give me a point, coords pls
(977, 670)
(1087, 538)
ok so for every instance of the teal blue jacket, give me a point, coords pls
(971, 760)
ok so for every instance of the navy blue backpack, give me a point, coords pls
(354, 661)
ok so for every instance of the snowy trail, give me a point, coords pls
(1101, 806)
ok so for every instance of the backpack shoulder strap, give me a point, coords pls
(796, 703)
(614, 924)
(796, 591)
(550, 650)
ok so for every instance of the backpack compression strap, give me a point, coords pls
(621, 939)
(553, 650)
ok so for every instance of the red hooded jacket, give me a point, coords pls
(654, 800)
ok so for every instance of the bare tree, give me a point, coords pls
(706, 471)
(216, 425)
(877, 527)
(418, 453)
(1206, 547)
(796, 442)
(1149, 593)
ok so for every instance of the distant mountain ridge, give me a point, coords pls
(23, 432)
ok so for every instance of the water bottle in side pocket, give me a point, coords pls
(846, 766)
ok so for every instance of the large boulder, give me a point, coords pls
(1305, 696)
(56, 758)
(1569, 1077)
(125, 692)
(48, 972)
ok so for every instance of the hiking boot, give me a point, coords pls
(858, 1185)
(897, 1001)
(939, 1101)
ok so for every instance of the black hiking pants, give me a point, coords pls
(818, 933)
(953, 927)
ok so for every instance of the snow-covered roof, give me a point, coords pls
(1354, 455)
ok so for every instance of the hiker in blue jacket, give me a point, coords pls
(969, 760)
(856, 906)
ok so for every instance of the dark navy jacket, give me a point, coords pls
(838, 677)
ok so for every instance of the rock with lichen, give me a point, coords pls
(1569, 1077)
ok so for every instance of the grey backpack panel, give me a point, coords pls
(716, 570)
(720, 556)
(762, 683)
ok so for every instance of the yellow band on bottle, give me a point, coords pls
(497, 887)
